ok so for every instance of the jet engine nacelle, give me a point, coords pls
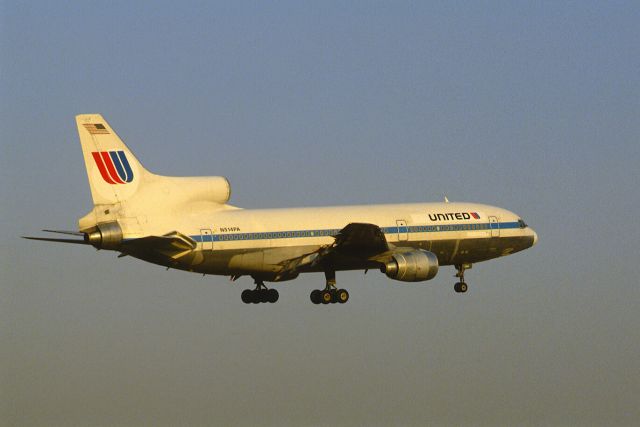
(107, 235)
(413, 266)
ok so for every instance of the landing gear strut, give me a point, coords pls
(260, 294)
(329, 295)
(461, 286)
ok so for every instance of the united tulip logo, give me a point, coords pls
(113, 166)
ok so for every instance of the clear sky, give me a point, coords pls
(531, 106)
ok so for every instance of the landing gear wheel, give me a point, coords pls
(329, 295)
(272, 296)
(247, 296)
(260, 294)
(315, 296)
(461, 286)
(334, 296)
(342, 296)
(326, 296)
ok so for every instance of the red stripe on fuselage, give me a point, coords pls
(101, 167)
(111, 168)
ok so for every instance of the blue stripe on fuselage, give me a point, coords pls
(269, 235)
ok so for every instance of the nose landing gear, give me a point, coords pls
(461, 286)
(260, 294)
(329, 295)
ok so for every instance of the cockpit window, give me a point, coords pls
(521, 223)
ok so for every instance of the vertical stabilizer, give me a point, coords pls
(113, 171)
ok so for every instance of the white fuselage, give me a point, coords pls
(256, 241)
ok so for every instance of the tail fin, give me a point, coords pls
(113, 171)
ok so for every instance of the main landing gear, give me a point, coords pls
(329, 295)
(260, 294)
(461, 286)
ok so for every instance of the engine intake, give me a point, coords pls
(414, 266)
(105, 236)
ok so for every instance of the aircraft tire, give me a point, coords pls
(272, 296)
(247, 296)
(463, 287)
(342, 296)
(315, 296)
(326, 297)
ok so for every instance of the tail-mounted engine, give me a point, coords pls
(413, 266)
(107, 235)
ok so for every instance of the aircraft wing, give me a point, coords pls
(355, 243)
(360, 239)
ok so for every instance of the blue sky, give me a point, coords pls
(530, 106)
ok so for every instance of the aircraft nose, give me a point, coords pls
(535, 237)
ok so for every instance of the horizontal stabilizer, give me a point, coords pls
(72, 233)
(48, 239)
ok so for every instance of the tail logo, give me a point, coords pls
(113, 166)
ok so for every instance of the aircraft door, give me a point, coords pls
(494, 226)
(207, 239)
(403, 230)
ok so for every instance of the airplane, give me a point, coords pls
(186, 223)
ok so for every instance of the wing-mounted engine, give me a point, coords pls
(412, 266)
